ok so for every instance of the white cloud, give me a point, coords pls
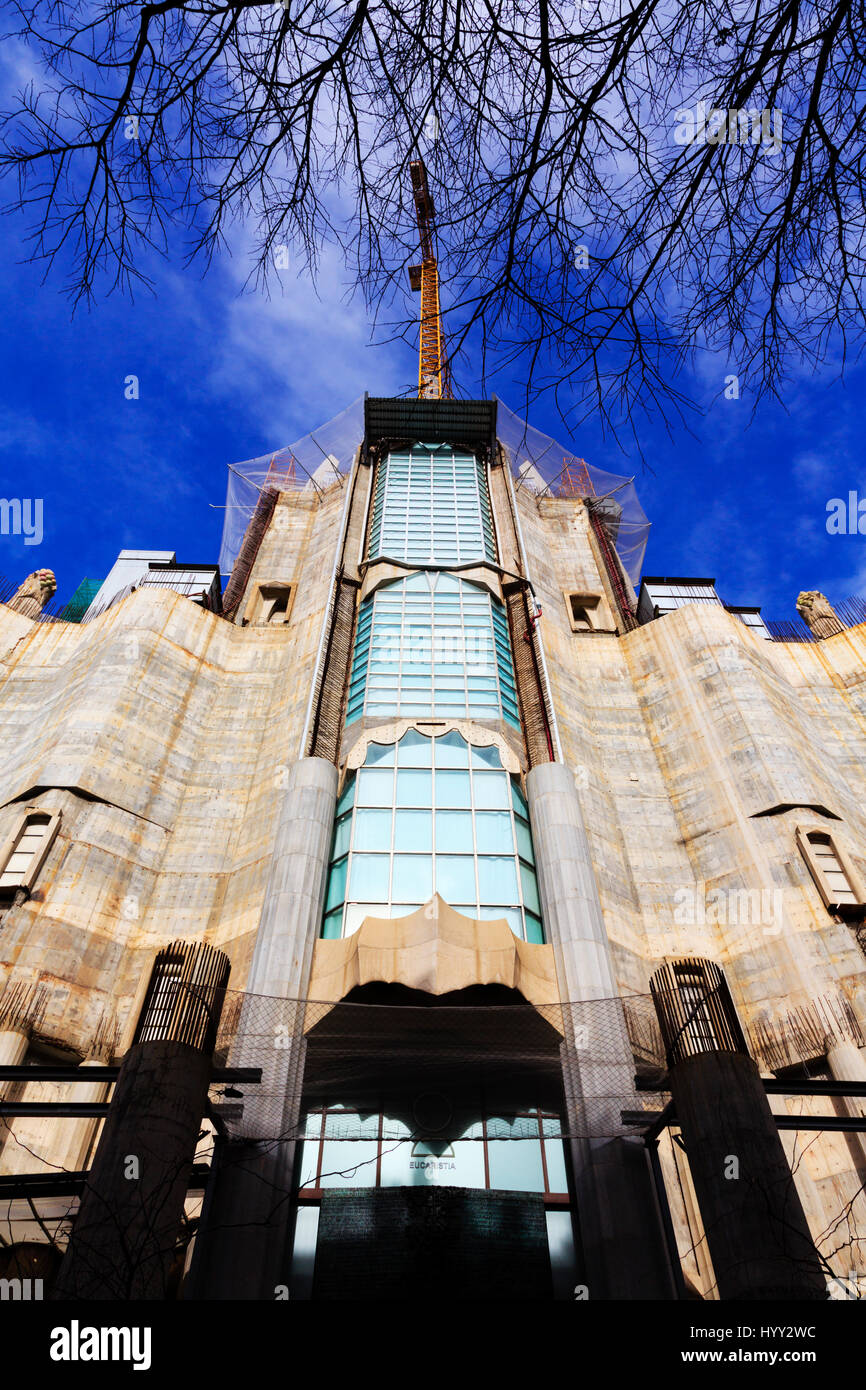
(812, 472)
(298, 358)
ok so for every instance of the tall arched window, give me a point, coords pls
(432, 815)
(432, 504)
(432, 644)
(24, 852)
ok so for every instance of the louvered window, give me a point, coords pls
(25, 850)
(831, 867)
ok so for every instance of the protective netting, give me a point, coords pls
(577, 1060)
(312, 463)
(542, 465)
(538, 463)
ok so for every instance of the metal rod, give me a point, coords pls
(249, 1076)
(656, 1120)
(57, 1109)
(42, 1185)
(773, 1086)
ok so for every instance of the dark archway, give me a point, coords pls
(415, 1104)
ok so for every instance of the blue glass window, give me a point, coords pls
(513, 1164)
(432, 644)
(432, 815)
(518, 1152)
(431, 504)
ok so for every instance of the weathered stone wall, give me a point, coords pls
(697, 748)
(164, 736)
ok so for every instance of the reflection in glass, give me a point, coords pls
(493, 833)
(453, 831)
(304, 1252)
(563, 1257)
(515, 1162)
(413, 877)
(372, 828)
(501, 1152)
(414, 787)
(370, 876)
(413, 830)
(455, 877)
(375, 788)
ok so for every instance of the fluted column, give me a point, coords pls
(124, 1240)
(242, 1248)
(621, 1234)
(758, 1236)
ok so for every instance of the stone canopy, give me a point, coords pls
(433, 949)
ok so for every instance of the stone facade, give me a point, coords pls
(166, 738)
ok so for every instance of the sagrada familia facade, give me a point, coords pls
(430, 908)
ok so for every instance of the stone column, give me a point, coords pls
(124, 1240)
(73, 1138)
(847, 1063)
(13, 1049)
(295, 889)
(757, 1233)
(807, 1189)
(623, 1242)
(242, 1246)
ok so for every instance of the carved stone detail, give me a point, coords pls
(31, 597)
(818, 614)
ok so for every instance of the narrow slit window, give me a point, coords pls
(276, 608)
(270, 605)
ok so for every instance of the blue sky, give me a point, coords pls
(226, 375)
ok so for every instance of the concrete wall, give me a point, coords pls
(696, 749)
(685, 737)
(165, 737)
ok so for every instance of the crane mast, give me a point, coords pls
(433, 377)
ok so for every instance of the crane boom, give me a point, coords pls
(433, 380)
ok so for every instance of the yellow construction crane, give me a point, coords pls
(433, 375)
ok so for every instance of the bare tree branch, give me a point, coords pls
(559, 126)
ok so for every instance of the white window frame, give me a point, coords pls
(822, 883)
(27, 878)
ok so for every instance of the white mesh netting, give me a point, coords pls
(313, 463)
(538, 463)
(541, 464)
